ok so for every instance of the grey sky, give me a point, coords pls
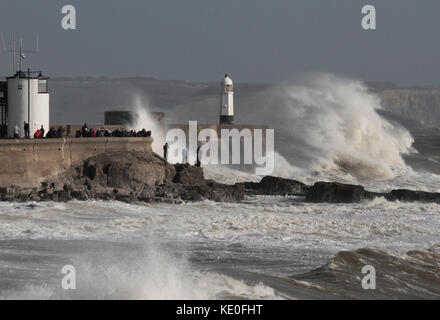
(254, 40)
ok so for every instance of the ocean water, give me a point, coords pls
(265, 247)
(200, 250)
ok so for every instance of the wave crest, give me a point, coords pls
(334, 126)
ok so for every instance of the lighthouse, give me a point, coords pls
(28, 101)
(24, 97)
(227, 101)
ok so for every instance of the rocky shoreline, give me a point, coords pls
(127, 177)
(333, 192)
(145, 177)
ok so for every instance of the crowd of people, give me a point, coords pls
(85, 132)
(39, 134)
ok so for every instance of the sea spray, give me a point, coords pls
(144, 120)
(333, 126)
(327, 128)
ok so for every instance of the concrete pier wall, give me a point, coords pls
(29, 162)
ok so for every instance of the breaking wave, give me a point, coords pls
(144, 120)
(333, 126)
(414, 275)
(208, 250)
(151, 273)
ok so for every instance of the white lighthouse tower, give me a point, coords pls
(227, 101)
(26, 97)
(28, 101)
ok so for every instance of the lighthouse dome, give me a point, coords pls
(227, 80)
(227, 83)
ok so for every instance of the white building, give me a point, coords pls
(227, 101)
(27, 101)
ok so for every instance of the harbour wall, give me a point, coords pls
(28, 162)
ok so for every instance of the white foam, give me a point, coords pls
(333, 123)
(154, 274)
(144, 120)
(264, 222)
(278, 225)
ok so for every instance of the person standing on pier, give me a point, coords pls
(165, 151)
(26, 130)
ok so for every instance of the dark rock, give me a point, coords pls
(170, 190)
(125, 170)
(79, 195)
(226, 193)
(128, 177)
(138, 176)
(210, 191)
(345, 193)
(334, 192)
(62, 196)
(276, 186)
(412, 196)
(124, 198)
(104, 196)
(189, 176)
(90, 170)
(195, 193)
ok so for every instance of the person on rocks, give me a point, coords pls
(165, 151)
(198, 163)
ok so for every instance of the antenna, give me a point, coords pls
(18, 54)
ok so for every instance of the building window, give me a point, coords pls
(42, 86)
(20, 87)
